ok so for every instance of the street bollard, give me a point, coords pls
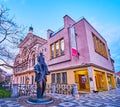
(75, 91)
(15, 90)
(53, 88)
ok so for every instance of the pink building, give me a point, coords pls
(77, 53)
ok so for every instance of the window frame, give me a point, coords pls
(99, 46)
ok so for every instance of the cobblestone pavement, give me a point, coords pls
(102, 99)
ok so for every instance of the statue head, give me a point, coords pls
(41, 58)
(41, 53)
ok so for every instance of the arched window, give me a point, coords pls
(32, 79)
(33, 60)
(25, 54)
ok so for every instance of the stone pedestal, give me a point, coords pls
(15, 90)
(43, 100)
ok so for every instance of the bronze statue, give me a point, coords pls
(41, 71)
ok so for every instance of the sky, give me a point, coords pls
(103, 15)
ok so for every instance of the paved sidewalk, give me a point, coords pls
(102, 99)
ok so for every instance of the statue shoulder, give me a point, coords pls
(36, 66)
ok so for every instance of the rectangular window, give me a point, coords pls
(99, 46)
(64, 77)
(58, 78)
(53, 78)
(57, 49)
(20, 80)
(52, 51)
(62, 46)
(32, 79)
(33, 60)
(23, 80)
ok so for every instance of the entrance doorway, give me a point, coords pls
(82, 81)
(99, 81)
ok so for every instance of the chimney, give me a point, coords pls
(49, 33)
(68, 21)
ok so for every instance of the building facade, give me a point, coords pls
(24, 62)
(77, 53)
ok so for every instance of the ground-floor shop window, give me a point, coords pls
(53, 78)
(64, 77)
(59, 78)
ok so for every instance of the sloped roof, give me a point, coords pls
(28, 37)
(117, 73)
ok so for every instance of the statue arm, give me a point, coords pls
(46, 70)
(36, 69)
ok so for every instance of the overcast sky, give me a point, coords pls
(103, 15)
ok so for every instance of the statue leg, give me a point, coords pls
(44, 86)
(39, 90)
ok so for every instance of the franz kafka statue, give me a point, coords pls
(41, 71)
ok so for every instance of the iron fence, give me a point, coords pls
(31, 89)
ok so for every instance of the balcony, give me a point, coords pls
(23, 67)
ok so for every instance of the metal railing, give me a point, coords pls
(26, 90)
(31, 89)
(7, 87)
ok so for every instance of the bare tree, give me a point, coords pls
(10, 34)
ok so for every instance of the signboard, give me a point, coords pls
(74, 52)
(73, 42)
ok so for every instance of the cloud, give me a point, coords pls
(111, 33)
